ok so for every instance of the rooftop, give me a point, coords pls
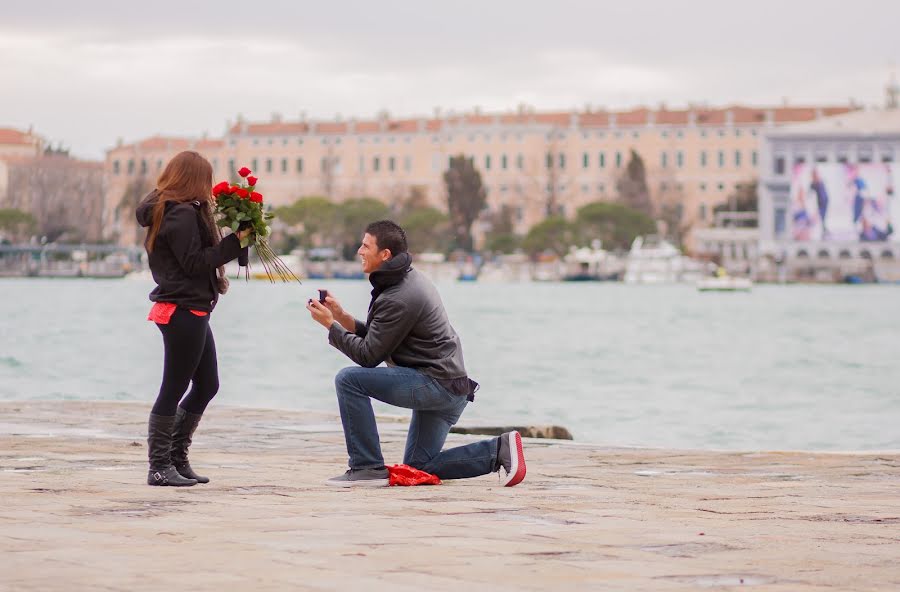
(871, 122)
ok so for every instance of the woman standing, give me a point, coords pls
(186, 254)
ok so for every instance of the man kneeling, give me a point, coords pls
(406, 327)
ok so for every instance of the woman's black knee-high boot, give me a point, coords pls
(159, 450)
(185, 425)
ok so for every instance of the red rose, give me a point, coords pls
(252, 180)
(233, 189)
(244, 171)
(256, 197)
(243, 193)
(220, 188)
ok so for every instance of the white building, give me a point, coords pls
(827, 203)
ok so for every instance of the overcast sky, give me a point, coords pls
(86, 73)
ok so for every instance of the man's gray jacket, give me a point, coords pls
(406, 326)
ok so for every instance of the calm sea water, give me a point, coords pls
(783, 367)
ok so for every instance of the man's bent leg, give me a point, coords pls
(356, 386)
(428, 432)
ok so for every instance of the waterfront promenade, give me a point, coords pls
(76, 514)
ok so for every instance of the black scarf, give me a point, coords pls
(392, 272)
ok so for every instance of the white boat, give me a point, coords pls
(724, 284)
(657, 261)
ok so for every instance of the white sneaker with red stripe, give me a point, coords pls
(511, 458)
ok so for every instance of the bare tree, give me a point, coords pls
(64, 195)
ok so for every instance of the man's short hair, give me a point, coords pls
(388, 235)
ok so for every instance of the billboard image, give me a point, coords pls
(844, 202)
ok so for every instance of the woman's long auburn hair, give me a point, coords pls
(187, 177)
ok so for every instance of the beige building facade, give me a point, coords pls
(535, 163)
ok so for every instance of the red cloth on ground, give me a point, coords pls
(161, 312)
(406, 475)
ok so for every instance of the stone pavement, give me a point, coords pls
(76, 515)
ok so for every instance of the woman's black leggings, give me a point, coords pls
(190, 359)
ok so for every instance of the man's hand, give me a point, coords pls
(320, 313)
(345, 319)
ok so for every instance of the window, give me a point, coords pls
(284, 165)
(887, 154)
(143, 166)
(487, 162)
(159, 164)
(664, 160)
(520, 162)
(779, 165)
(721, 158)
(436, 161)
(299, 141)
(737, 158)
(754, 158)
(392, 163)
(703, 158)
(585, 160)
(601, 187)
(618, 160)
(270, 141)
(635, 135)
(407, 163)
(299, 165)
(323, 164)
(115, 167)
(585, 188)
(503, 162)
(549, 161)
(215, 163)
(702, 186)
(663, 186)
(864, 153)
(284, 142)
(562, 161)
(256, 141)
(602, 160)
(780, 222)
(376, 164)
(737, 133)
(721, 186)
(254, 164)
(268, 165)
(702, 212)
(362, 164)
(231, 166)
(679, 159)
(664, 134)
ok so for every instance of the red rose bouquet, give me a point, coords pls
(240, 207)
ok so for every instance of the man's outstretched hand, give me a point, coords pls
(320, 313)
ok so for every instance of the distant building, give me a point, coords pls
(828, 204)
(534, 163)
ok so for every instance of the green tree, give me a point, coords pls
(616, 225)
(16, 223)
(427, 229)
(554, 233)
(466, 198)
(632, 185)
(317, 217)
(501, 238)
(355, 215)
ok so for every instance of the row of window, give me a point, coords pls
(779, 162)
(503, 137)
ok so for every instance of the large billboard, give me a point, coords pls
(845, 202)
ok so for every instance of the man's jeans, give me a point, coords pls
(435, 410)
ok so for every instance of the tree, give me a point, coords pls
(632, 186)
(614, 224)
(554, 234)
(466, 198)
(64, 195)
(501, 237)
(16, 223)
(427, 229)
(318, 218)
(743, 199)
(355, 215)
